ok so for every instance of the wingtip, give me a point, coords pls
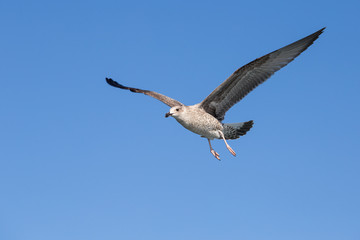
(318, 32)
(322, 30)
(108, 80)
(114, 83)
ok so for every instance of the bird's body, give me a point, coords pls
(200, 122)
(197, 120)
(205, 118)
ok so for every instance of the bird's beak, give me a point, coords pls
(168, 114)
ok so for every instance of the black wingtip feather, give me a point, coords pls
(115, 84)
(317, 33)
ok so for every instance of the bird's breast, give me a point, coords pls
(201, 123)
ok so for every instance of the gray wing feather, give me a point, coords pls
(165, 99)
(246, 78)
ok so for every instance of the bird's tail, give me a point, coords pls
(235, 130)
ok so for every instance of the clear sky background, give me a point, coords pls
(82, 160)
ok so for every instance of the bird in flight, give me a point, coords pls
(205, 118)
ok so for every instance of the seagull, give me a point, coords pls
(205, 118)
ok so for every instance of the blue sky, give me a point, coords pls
(82, 160)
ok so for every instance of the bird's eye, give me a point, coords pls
(177, 109)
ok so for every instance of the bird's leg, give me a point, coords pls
(227, 145)
(213, 151)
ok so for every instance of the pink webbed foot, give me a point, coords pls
(216, 155)
(231, 150)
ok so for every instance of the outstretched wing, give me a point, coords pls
(246, 78)
(165, 99)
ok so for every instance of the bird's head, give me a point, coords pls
(175, 111)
